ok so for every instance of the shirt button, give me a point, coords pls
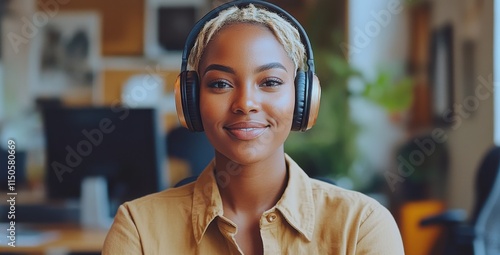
(271, 217)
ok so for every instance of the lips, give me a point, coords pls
(246, 130)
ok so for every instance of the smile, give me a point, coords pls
(246, 131)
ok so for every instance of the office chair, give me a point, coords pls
(487, 226)
(480, 235)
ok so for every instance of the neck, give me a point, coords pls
(251, 188)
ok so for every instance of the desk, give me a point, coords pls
(69, 239)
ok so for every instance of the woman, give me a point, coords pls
(252, 198)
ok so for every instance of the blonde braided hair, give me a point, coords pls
(285, 33)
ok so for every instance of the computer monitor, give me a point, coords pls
(167, 26)
(121, 144)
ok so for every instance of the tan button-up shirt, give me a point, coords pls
(312, 217)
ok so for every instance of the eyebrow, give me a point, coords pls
(222, 68)
(230, 70)
(270, 66)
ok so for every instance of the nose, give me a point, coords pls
(246, 100)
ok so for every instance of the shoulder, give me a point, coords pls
(161, 202)
(328, 198)
(144, 224)
(337, 194)
(153, 214)
(358, 214)
(349, 202)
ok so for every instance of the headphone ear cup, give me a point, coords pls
(188, 101)
(178, 100)
(300, 101)
(315, 100)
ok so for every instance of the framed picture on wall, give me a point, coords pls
(69, 57)
(441, 75)
(168, 24)
(468, 67)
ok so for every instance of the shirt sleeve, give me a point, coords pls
(123, 237)
(379, 234)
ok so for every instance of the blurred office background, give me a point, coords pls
(407, 116)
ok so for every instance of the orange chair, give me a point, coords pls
(419, 240)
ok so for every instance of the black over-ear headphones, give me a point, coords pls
(307, 88)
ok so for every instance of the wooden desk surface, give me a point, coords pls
(68, 238)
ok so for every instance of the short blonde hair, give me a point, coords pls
(285, 33)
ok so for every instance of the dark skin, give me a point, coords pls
(247, 101)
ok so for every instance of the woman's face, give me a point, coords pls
(247, 93)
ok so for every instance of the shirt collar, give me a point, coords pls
(296, 205)
(207, 203)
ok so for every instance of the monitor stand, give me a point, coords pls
(94, 203)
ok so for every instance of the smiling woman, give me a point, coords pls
(247, 105)
(252, 82)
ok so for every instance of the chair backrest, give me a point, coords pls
(487, 227)
(485, 179)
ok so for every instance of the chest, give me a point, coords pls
(270, 234)
(248, 237)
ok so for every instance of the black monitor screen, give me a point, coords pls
(120, 144)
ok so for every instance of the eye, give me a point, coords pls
(272, 82)
(219, 84)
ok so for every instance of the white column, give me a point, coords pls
(19, 61)
(378, 41)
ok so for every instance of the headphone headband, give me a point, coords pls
(307, 89)
(191, 39)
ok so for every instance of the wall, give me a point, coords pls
(472, 129)
(19, 71)
(122, 27)
(378, 42)
(472, 132)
